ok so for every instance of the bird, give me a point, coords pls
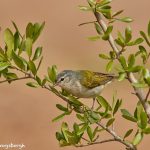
(83, 83)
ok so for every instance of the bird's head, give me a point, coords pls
(64, 78)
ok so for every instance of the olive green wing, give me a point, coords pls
(93, 79)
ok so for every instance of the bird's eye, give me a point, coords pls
(62, 79)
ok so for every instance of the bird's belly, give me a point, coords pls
(90, 93)
(83, 92)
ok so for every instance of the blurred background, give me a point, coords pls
(26, 113)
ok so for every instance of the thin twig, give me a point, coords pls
(81, 24)
(85, 139)
(147, 94)
(116, 137)
(24, 72)
(94, 143)
(11, 80)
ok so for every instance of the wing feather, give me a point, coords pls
(93, 79)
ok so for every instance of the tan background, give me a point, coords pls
(25, 113)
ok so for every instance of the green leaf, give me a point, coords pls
(37, 53)
(28, 46)
(94, 38)
(82, 130)
(38, 80)
(16, 41)
(103, 56)
(90, 133)
(107, 33)
(140, 85)
(64, 128)
(128, 34)
(112, 55)
(76, 127)
(15, 26)
(95, 131)
(117, 106)
(9, 40)
(127, 115)
(135, 69)
(143, 53)
(10, 75)
(122, 76)
(147, 80)
(40, 62)
(29, 30)
(98, 28)
(32, 84)
(59, 117)
(138, 138)
(62, 108)
(18, 61)
(145, 73)
(143, 120)
(104, 2)
(148, 30)
(138, 111)
(4, 65)
(65, 93)
(109, 66)
(32, 67)
(74, 100)
(128, 133)
(103, 102)
(142, 49)
(123, 62)
(146, 131)
(106, 13)
(145, 37)
(106, 10)
(91, 2)
(22, 46)
(121, 37)
(3, 56)
(44, 82)
(120, 42)
(85, 8)
(125, 19)
(136, 42)
(59, 136)
(52, 72)
(94, 115)
(63, 143)
(110, 122)
(117, 13)
(37, 30)
(80, 117)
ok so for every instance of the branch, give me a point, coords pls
(11, 80)
(131, 77)
(94, 143)
(81, 24)
(85, 139)
(147, 94)
(117, 137)
(20, 70)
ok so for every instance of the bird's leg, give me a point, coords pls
(93, 103)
